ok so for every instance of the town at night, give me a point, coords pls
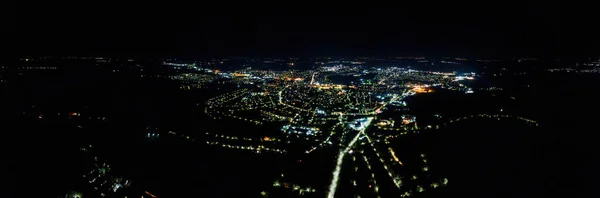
(417, 100)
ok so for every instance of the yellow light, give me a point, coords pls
(394, 156)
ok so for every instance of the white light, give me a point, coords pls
(338, 167)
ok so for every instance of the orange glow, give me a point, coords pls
(422, 90)
(151, 195)
(73, 114)
(395, 158)
(240, 75)
(382, 123)
(267, 138)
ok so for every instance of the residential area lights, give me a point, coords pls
(313, 111)
(340, 158)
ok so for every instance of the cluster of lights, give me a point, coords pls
(101, 179)
(340, 159)
(424, 159)
(406, 131)
(301, 104)
(187, 137)
(397, 180)
(294, 187)
(177, 64)
(327, 140)
(231, 115)
(226, 137)
(302, 130)
(286, 104)
(376, 189)
(193, 78)
(492, 116)
(257, 149)
(226, 97)
(251, 101)
(273, 116)
(39, 68)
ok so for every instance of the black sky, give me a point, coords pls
(490, 28)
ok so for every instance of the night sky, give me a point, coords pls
(490, 28)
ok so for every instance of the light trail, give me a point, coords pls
(394, 156)
(150, 194)
(340, 159)
(279, 94)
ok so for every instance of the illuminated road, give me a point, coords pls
(312, 79)
(340, 159)
(288, 105)
(279, 94)
(397, 182)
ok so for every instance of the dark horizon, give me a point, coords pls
(491, 29)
